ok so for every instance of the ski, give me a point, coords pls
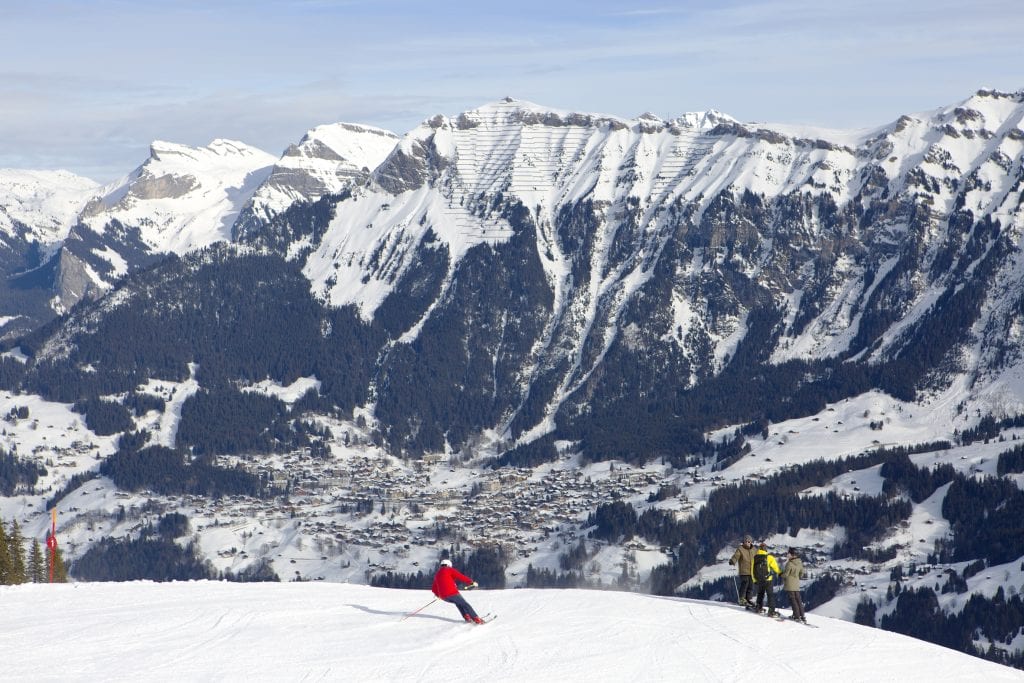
(795, 621)
(486, 619)
(804, 623)
(776, 616)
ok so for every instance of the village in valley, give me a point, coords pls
(349, 515)
(363, 512)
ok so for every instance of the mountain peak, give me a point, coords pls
(227, 147)
(158, 149)
(350, 144)
(45, 202)
(704, 120)
(183, 195)
(991, 93)
(162, 150)
(327, 160)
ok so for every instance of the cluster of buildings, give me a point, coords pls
(357, 506)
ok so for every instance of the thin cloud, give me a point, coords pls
(94, 84)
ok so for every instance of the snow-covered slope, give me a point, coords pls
(183, 198)
(46, 203)
(301, 631)
(328, 159)
(548, 160)
(441, 175)
(37, 210)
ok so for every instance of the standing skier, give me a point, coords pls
(764, 566)
(791, 574)
(444, 587)
(743, 558)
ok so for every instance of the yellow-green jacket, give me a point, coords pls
(773, 566)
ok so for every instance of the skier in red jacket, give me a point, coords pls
(444, 587)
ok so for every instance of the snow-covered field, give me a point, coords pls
(332, 632)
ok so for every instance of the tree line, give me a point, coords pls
(31, 564)
(15, 472)
(154, 555)
(917, 613)
(170, 471)
(486, 565)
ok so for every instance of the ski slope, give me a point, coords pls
(213, 631)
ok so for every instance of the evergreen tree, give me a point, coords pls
(5, 557)
(16, 551)
(36, 563)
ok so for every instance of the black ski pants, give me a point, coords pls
(746, 589)
(464, 608)
(763, 588)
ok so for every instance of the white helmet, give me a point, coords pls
(446, 563)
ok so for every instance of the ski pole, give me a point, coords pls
(419, 610)
(737, 587)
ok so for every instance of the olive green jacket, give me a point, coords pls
(792, 574)
(744, 559)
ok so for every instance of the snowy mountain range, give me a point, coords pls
(179, 200)
(537, 315)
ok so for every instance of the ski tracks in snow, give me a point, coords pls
(742, 666)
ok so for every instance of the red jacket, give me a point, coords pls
(444, 582)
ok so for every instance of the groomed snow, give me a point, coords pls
(212, 631)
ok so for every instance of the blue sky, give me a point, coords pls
(88, 85)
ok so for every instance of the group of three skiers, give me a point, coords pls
(756, 566)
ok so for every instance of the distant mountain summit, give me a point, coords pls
(41, 206)
(328, 160)
(37, 211)
(182, 198)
